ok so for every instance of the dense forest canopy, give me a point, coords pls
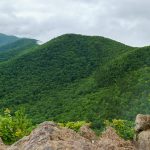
(75, 77)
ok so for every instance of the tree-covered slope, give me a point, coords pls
(16, 48)
(6, 39)
(76, 77)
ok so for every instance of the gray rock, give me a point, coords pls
(144, 140)
(142, 122)
(143, 132)
(49, 136)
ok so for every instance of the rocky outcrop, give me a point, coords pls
(50, 136)
(88, 133)
(143, 132)
(109, 140)
(2, 146)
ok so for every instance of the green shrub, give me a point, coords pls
(123, 128)
(74, 125)
(12, 128)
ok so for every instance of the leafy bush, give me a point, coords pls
(123, 128)
(12, 128)
(74, 125)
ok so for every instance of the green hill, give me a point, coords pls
(6, 39)
(75, 77)
(16, 48)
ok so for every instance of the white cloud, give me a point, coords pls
(123, 20)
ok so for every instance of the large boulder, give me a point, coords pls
(144, 140)
(142, 122)
(143, 132)
(49, 136)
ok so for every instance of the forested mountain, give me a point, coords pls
(6, 39)
(75, 77)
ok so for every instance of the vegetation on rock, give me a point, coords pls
(124, 128)
(74, 125)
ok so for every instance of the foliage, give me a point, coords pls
(74, 125)
(120, 66)
(123, 128)
(75, 78)
(14, 127)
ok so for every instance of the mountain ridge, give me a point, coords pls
(6, 39)
(75, 77)
(18, 47)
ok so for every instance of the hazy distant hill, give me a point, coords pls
(75, 77)
(6, 39)
(16, 48)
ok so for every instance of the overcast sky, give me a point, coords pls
(127, 21)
